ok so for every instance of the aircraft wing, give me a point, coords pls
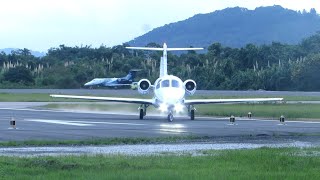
(221, 101)
(110, 99)
(110, 80)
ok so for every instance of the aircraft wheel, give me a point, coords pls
(170, 117)
(141, 113)
(192, 114)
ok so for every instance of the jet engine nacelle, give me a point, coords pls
(190, 86)
(144, 86)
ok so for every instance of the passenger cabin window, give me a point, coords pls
(175, 83)
(165, 83)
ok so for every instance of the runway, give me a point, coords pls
(33, 124)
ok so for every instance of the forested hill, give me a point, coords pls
(236, 27)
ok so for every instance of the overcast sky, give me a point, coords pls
(41, 24)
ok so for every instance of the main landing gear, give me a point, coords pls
(170, 117)
(142, 110)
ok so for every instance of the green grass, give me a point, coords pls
(36, 97)
(292, 111)
(106, 141)
(286, 98)
(263, 163)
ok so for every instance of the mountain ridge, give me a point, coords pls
(34, 53)
(236, 27)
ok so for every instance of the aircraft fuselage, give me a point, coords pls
(169, 92)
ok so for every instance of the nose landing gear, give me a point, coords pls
(170, 113)
(170, 117)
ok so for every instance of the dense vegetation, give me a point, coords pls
(236, 27)
(270, 67)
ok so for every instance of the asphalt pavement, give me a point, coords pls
(37, 124)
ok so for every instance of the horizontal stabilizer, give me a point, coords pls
(146, 48)
(161, 49)
(183, 49)
(163, 62)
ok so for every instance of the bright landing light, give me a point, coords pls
(163, 107)
(178, 108)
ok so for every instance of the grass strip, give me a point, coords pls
(291, 111)
(105, 141)
(34, 97)
(286, 98)
(263, 163)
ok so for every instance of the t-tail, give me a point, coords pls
(131, 75)
(163, 62)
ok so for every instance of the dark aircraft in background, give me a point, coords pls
(128, 80)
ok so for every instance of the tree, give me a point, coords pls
(311, 44)
(215, 49)
(313, 11)
(306, 75)
(19, 74)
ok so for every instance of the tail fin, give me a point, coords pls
(163, 62)
(132, 74)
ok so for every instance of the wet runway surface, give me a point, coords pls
(40, 124)
(35, 124)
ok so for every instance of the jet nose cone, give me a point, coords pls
(87, 84)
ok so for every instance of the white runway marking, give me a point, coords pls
(92, 122)
(175, 128)
(80, 123)
(59, 122)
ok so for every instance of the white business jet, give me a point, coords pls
(169, 91)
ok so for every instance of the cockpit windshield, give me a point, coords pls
(168, 83)
(175, 83)
(165, 83)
